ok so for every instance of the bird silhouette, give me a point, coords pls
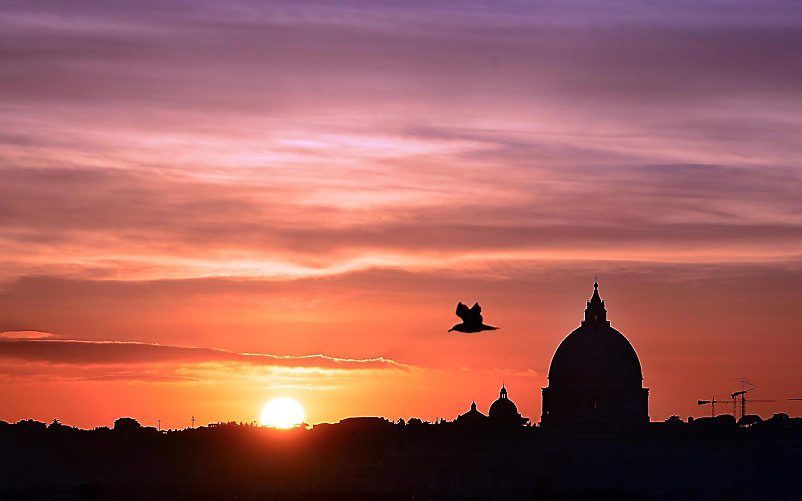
(471, 319)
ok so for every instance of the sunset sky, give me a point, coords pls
(205, 205)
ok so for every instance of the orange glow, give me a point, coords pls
(282, 412)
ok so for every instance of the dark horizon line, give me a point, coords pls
(399, 421)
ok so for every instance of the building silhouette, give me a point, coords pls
(472, 418)
(595, 378)
(504, 412)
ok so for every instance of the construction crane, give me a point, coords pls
(746, 387)
(742, 394)
(712, 403)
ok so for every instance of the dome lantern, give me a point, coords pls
(595, 313)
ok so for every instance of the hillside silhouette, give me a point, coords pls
(373, 458)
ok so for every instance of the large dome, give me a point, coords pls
(595, 376)
(595, 353)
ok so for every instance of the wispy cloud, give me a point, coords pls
(62, 351)
(25, 334)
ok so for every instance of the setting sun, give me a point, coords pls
(282, 413)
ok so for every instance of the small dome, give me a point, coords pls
(472, 417)
(503, 408)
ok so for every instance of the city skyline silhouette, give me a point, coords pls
(595, 380)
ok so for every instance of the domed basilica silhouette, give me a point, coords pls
(595, 377)
(502, 412)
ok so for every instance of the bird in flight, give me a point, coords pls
(471, 319)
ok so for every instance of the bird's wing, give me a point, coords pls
(463, 311)
(476, 313)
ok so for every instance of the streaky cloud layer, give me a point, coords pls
(66, 351)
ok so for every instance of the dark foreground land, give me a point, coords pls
(370, 458)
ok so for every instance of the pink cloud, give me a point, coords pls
(74, 352)
(25, 335)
